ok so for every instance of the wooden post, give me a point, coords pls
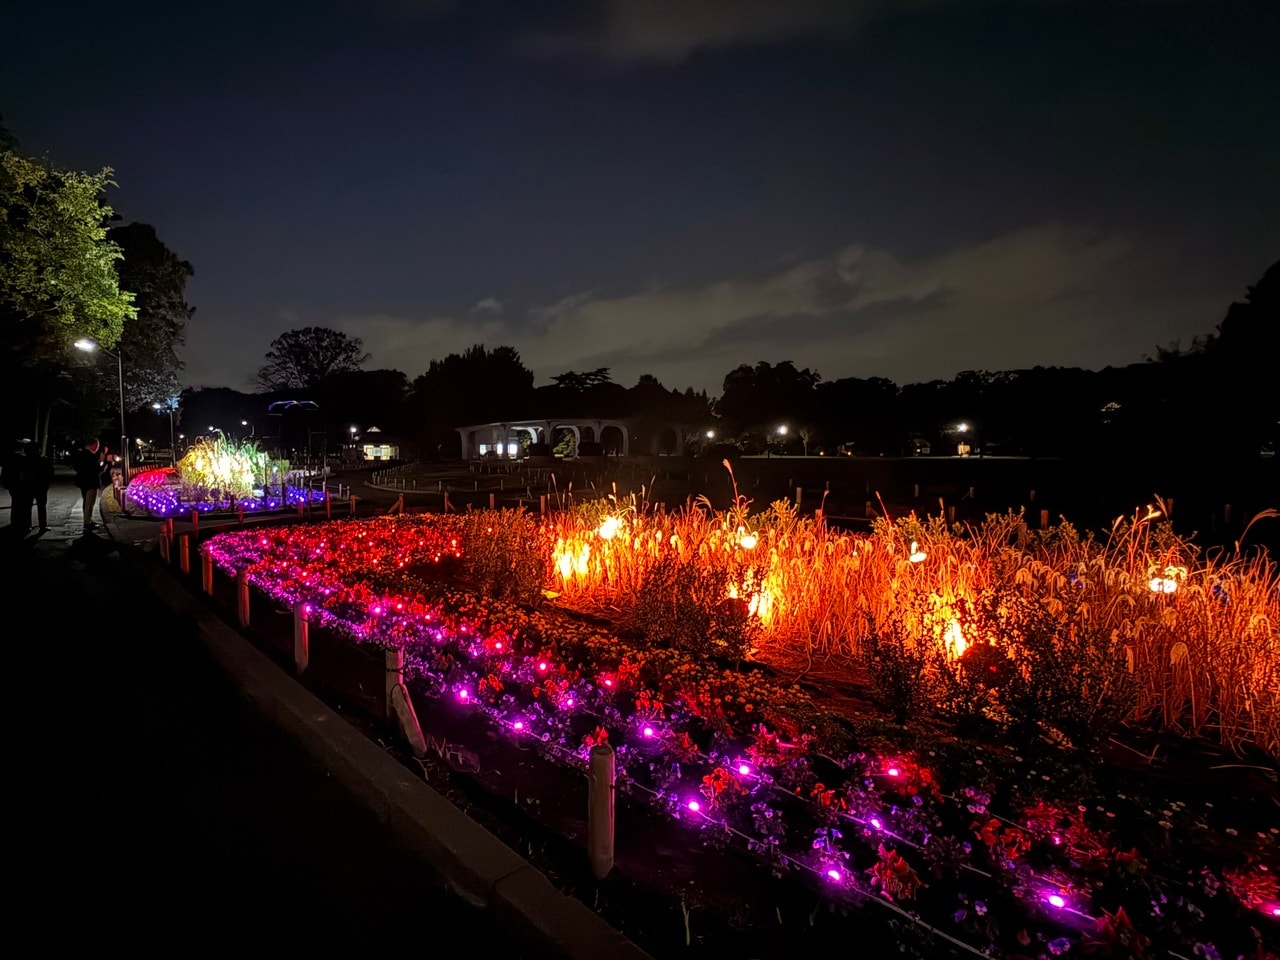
(395, 677)
(1044, 519)
(542, 504)
(164, 545)
(206, 573)
(446, 501)
(328, 509)
(184, 552)
(492, 499)
(971, 493)
(400, 706)
(195, 520)
(869, 511)
(301, 510)
(799, 496)
(239, 515)
(951, 515)
(915, 491)
(1168, 512)
(242, 598)
(301, 637)
(353, 504)
(600, 776)
(1226, 514)
(1031, 497)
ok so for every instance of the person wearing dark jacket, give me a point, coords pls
(40, 474)
(16, 477)
(88, 466)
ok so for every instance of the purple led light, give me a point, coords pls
(542, 666)
(875, 822)
(695, 806)
(519, 725)
(648, 731)
(1056, 901)
(893, 771)
(743, 769)
(833, 874)
(462, 694)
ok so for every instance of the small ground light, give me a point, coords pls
(893, 771)
(648, 731)
(542, 666)
(695, 806)
(833, 874)
(462, 695)
(743, 769)
(519, 725)
(1056, 901)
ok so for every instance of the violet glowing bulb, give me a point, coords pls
(462, 695)
(743, 769)
(542, 666)
(875, 823)
(695, 806)
(498, 645)
(569, 702)
(519, 724)
(893, 771)
(648, 731)
(608, 683)
(833, 874)
(1275, 911)
(1056, 901)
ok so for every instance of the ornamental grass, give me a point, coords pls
(1138, 626)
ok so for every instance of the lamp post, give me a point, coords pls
(88, 346)
(246, 423)
(173, 448)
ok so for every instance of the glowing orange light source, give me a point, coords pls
(917, 555)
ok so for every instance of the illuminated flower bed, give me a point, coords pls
(216, 474)
(974, 846)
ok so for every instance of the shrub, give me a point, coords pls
(505, 556)
(895, 662)
(685, 603)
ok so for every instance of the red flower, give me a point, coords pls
(896, 878)
(595, 738)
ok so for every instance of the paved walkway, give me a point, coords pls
(157, 812)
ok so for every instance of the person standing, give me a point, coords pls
(17, 480)
(40, 472)
(88, 466)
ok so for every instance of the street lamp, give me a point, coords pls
(246, 423)
(89, 346)
(173, 448)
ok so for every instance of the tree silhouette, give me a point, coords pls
(301, 359)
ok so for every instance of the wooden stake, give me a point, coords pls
(328, 508)
(184, 552)
(242, 598)
(353, 504)
(600, 777)
(195, 521)
(301, 637)
(1044, 519)
(492, 501)
(206, 573)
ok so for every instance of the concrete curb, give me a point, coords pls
(470, 861)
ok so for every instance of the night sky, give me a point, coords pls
(894, 188)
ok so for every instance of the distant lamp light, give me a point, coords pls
(711, 434)
(88, 346)
(782, 430)
(962, 427)
(157, 406)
